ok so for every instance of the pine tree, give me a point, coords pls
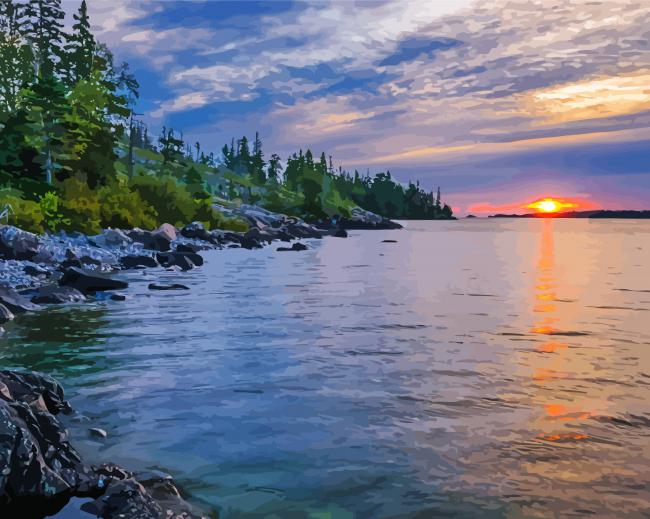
(44, 28)
(437, 205)
(80, 49)
(274, 169)
(257, 161)
(16, 56)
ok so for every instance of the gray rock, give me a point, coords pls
(15, 302)
(362, 219)
(89, 260)
(185, 260)
(188, 247)
(89, 282)
(341, 233)
(18, 244)
(197, 231)
(118, 297)
(35, 271)
(112, 238)
(131, 262)
(5, 314)
(158, 241)
(55, 294)
(166, 231)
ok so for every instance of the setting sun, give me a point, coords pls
(551, 205)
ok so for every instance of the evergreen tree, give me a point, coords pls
(80, 49)
(274, 170)
(44, 28)
(16, 56)
(257, 161)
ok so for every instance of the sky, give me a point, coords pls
(499, 102)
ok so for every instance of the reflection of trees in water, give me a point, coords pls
(57, 341)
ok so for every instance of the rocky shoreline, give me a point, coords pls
(39, 470)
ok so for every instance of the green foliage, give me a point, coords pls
(123, 208)
(80, 206)
(25, 214)
(172, 201)
(49, 204)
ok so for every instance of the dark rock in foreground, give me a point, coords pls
(295, 247)
(90, 282)
(173, 286)
(40, 471)
(15, 302)
(56, 294)
(5, 314)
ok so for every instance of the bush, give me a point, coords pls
(213, 219)
(171, 201)
(49, 204)
(25, 214)
(80, 206)
(123, 208)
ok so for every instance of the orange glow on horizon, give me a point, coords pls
(551, 205)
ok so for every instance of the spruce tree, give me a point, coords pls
(44, 28)
(80, 49)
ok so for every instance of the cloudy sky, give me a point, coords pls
(497, 101)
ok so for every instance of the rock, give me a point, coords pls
(188, 247)
(97, 432)
(185, 260)
(197, 231)
(17, 244)
(341, 233)
(362, 219)
(389, 241)
(89, 260)
(174, 286)
(41, 471)
(35, 271)
(166, 231)
(15, 302)
(118, 297)
(112, 238)
(55, 294)
(149, 240)
(135, 261)
(5, 314)
(70, 262)
(295, 247)
(86, 281)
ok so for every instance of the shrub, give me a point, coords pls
(123, 208)
(25, 214)
(171, 201)
(49, 204)
(80, 206)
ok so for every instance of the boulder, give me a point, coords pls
(138, 261)
(35, 271)
(166, 231)
(90, 282)
(15, 302)
(362, 219)
(118, 297)
(112, 238)
(173, 286)
(295, 247)
(5, 314)
(55, 294)
(185, 260)
(17, 244)
(70, 262)
(89, 260)
(188, 247)
(196, 230)
(341, 233)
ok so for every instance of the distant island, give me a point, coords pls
(598, 213)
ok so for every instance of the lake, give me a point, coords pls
(475, 368)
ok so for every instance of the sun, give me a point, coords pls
(551, 205)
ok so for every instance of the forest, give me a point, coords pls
(73, 156)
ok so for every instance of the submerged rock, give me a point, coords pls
(56, 294)
(295, 247)
(86, 281)
(97, 432)
(341, 233)
(173, 286)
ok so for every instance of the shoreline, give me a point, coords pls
(39, 271)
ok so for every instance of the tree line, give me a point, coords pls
(73, 156)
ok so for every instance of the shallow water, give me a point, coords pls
(478, 368)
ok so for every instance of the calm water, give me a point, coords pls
(473, 369)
